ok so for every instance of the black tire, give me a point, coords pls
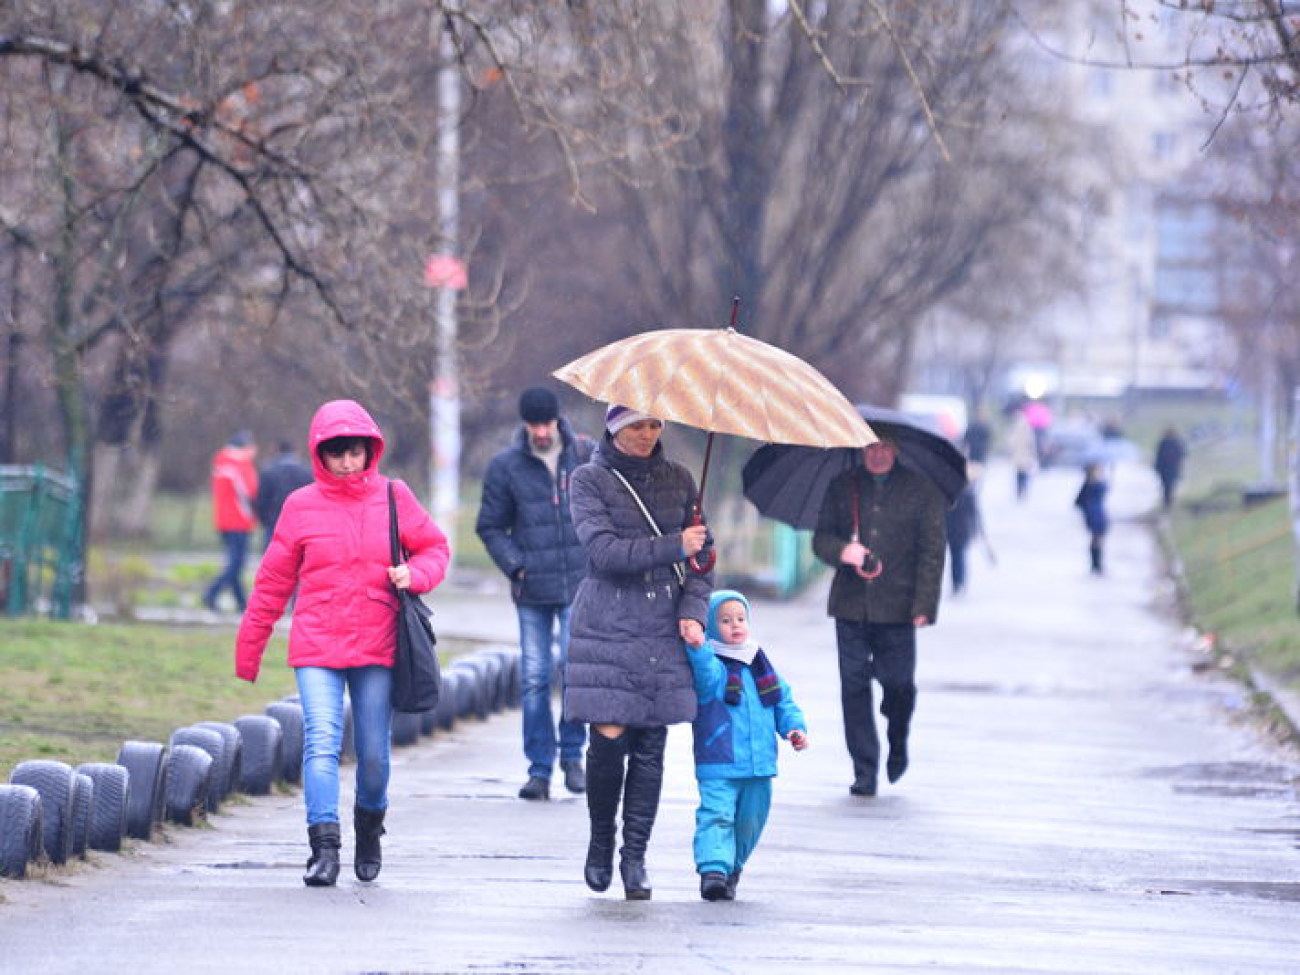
(108, 815)
(480, 693)
(289, 714)
(83, 802)
(263, 753)
(214, 743)
(406, 728)
(504, 679)
(20, 829)
(491, 665)
(55, 781)
(189, 769)
(429, 720)
(228, 769)
(511, 661)
(466, 690)
(146, 770)
(448, 709)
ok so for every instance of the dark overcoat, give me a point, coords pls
(524, 519)
(901, 520)
(627, 664)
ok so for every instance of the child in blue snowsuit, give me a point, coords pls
(743, 705)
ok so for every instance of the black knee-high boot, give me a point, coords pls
(606, 758)
(369, 827)
(645, 776)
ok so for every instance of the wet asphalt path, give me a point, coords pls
(1081, 800)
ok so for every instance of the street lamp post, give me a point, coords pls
(444, 390)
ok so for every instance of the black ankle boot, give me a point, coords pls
(645, 776)
(605, 760)
(323, 867)
(369, 826)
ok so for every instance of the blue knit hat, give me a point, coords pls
(719, 597)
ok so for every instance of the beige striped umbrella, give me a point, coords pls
(721, 381)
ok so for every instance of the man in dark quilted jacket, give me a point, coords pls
(525, 524)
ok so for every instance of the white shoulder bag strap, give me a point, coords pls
(650, 520)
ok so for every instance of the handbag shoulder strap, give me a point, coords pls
(394, 538)
(650, 520)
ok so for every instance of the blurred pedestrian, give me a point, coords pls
(1171, 451)
(978, 436)
(1091, 502)
(234, 489)
(962, 524)
(744, 707)
(276, 481)
(881, 527)
(526, 525)
(1022, 441)
(331, 544)
(628, 677)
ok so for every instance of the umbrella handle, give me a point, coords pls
(875, 561)
(703, 561)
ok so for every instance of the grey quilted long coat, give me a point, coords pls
(627, 665)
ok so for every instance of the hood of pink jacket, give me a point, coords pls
(344, 418)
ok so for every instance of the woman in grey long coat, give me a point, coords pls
(627, 675)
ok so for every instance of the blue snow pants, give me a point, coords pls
(729, 821)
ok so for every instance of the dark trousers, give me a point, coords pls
(884, 653)
(957, 563)
(236, 548)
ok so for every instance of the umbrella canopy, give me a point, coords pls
(787, 483)
(721, 381)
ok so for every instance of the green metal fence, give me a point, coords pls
(40, 541)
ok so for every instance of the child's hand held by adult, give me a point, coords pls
(691, 632)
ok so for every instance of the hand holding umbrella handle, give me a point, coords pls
(702, 561)
(870, 566)
(877, 566)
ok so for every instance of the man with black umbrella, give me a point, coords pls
(882, 528)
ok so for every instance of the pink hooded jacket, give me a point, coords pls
(331, 542)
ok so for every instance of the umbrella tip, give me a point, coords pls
(735, 310)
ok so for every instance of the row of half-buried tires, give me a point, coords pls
(50, 810)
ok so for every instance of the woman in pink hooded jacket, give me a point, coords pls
(331, 545)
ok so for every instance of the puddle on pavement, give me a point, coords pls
(1230, 774)
(253, 865)
(1289, 893)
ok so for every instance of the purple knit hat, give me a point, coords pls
(618, 417)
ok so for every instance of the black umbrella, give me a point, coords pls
(787, 482)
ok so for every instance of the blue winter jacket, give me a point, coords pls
(740, 741)
(525, 522)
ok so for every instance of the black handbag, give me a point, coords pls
(417, 678)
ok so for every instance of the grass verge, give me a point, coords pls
(74, 693)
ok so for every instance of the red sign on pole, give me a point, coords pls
(445, 271)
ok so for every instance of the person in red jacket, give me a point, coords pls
(234, 489)
(331, 544)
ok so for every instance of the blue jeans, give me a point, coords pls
(236, 548)
(321, 691)
(537, 638)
